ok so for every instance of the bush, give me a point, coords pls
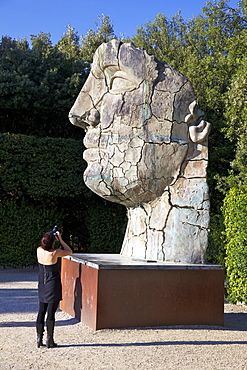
(216, 243)
(41, 167)
(42, 185)
(106, 223)
(235, 220)
(21, 229)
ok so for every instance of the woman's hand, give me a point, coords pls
(58, 236)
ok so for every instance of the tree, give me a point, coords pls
(38, 87)
(93, 40)
(164, 39)
(70, 43)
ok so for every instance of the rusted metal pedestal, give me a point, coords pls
(112, 291)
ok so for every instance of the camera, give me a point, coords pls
(54, 230)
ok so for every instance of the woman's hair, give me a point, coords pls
(47, 241)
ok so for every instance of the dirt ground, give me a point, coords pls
(79, 347)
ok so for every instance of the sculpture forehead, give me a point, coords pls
(114, 56)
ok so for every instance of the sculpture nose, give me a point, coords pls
(77, 121)
(90, 118)
(73, 118)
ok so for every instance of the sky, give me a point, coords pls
(21, 18)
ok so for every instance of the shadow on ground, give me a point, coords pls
(167, 343)
(18, 300)
(12, 275)
(20, 324)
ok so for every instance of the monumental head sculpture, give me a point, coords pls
(146, 146)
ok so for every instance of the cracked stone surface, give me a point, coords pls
(147, 149)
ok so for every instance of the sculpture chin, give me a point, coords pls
(122, 190)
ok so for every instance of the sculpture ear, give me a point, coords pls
(199, 131)
(198, 128)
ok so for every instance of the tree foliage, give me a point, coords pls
(37, 87)
(93, 39)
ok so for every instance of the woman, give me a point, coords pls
(49, 287)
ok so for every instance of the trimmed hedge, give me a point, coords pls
(106, 223)
(42, 185)
(21, 229)
(235, 220)
(41, 167)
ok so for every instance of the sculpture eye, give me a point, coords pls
(121, 82)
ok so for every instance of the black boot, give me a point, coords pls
(50, 330)
(40, 331)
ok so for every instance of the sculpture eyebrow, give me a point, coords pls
(121, 74)
(109, 72)
(111, 68)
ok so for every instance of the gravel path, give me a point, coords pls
(79, 347)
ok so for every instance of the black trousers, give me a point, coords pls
(50, 309)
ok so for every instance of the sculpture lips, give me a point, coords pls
(93, 154)
(95, 138)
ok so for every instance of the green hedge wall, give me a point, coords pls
(106, 222)
(21, 229)
(41, 167)
(42, 185)
(235, 220)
